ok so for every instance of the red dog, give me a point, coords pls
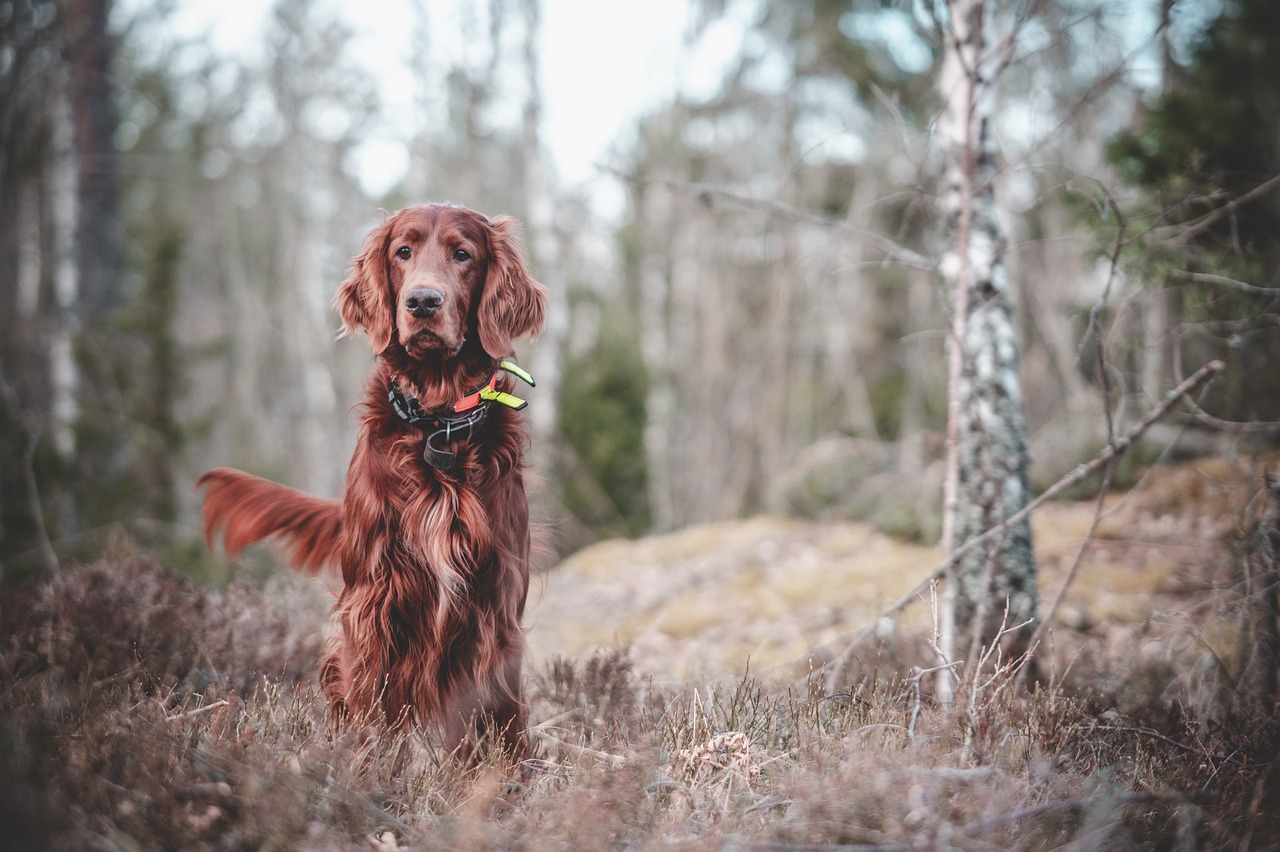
(432, 531)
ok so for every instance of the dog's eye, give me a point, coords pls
(404, 253)
(461, 256)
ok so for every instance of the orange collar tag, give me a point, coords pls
(470, 401)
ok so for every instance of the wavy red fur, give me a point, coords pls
(435, 563)
(248, 509)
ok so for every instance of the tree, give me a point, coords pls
(1200, 174)
(764, 283)
(1200, 183)
(30, 39)
(987, 459)
(58, 212)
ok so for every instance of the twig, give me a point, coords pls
(1109, 473)
(196, 712)
(614, 759)
(707, 191)
(1184, 232)
(1110, 452)
(1021, 814)
(1224, 281)
(1156, 735)
(547, 724)
(1073, 571)
(1235, 427)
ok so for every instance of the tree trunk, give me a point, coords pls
(654, 300)
(986, 432)
(90, 50)
(32, 100)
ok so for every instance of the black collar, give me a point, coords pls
(457, 421)
(445, 425)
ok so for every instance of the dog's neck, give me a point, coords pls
(438, 380)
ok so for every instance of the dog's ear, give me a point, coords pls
(364, 300)
(513, 304)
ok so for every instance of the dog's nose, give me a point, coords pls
(423, 301)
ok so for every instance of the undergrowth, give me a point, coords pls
(139, 711)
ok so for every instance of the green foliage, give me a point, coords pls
(602, 416)
(1212, 135)
(1201, 153)
(132, 367)
(132, 374)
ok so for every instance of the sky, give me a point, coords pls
(603, 64)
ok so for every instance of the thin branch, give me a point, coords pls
(1226, 328)
(1109, 471)
(705, 192)
(1110, 452)
(1022, 814)
(1224, 281)
(613, 759)
(197, 711)
(1101, 304)
(1184, 232)
(1095, 89)
(1068, 581)
(1156, 735)
(1236, 427)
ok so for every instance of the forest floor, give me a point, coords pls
(670, 702)
(769, 594)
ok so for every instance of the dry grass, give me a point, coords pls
(140, 711)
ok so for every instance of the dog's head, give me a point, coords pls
(432, 278)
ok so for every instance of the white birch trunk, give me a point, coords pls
(986, 432)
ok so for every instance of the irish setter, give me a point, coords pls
(432, 531)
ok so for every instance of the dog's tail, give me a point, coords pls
(248, 509)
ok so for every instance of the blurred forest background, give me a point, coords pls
(745, 386)
(760, 326)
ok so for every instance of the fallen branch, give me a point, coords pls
(1110, 452)
(613, 759)
(196, 712)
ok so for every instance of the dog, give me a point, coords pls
(432, 529)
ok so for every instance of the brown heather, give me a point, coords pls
(141, 711)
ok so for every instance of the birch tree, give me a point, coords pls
(987, 482)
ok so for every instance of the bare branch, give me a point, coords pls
(1183, 233)
(1110, 452)
(197, 711)
(613, 759)
(1224, 281)
(1235, 427)
(898, 253)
